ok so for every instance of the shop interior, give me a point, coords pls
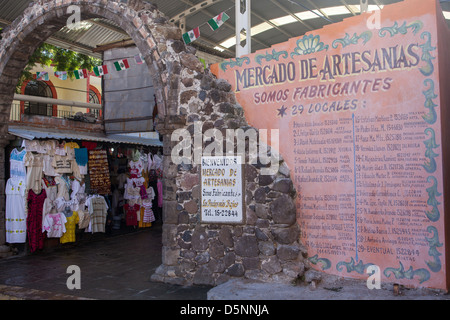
(61, 192)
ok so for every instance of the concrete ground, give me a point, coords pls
(119, 268)
(328, 289)
(112, 268)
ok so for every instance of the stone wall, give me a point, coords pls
(267, 246)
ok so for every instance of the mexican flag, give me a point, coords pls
(218, 20)
(81, 74)
(121, 65)
(62, 75)
(192, 35)
(100, 70)
(42, 75)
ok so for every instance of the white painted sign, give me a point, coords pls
(222, 198)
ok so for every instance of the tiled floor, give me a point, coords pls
(112, 268)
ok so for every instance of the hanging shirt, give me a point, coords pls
(60, 149)
(81, 158)
(98, 209)
(33, 145)
(54, 225)
(63, 188)
(69, 235)
(62, 164)
(84, 218)
(48, 168)
(69, 147)
(131, 213)
(35, 166)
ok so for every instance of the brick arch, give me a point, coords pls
(43, 18)
(147, 27)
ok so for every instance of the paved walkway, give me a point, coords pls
(112, 268)
(119, 268)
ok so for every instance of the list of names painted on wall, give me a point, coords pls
(359, 116)
(222, 190)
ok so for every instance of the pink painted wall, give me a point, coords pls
(361, 118)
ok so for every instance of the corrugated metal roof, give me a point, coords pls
(263, 11)
(34, 133)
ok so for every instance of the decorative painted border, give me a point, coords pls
(269, 57)
(416, 26)
(434, 243)
(346, 41)
(432, 191)
(351, 266)
(309, 44)
(324, 262)
(430, 144)
(426, 47)
(233, 63)
(429, 94)
(400, 273)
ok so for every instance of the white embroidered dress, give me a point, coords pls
(16, 220)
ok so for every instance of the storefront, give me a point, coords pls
(68, 187)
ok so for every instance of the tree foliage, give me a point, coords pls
(58, 58)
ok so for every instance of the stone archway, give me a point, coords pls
(267, 246)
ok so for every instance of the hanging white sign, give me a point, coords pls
(222, 198)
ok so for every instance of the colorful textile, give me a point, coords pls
(17, 163)
(54, 225)
(148, 212)
(81, 156)
(16, 219)
(34, 219)
(69, 235)
(131, 214)
(98, 209)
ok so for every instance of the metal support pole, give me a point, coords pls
(243, 26)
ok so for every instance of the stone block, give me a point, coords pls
(266, 248)
(226, 237)
(286, 252)
(217, 249)
(191, 207)
(262, 211)
(170, 212)
(199, 239)
(236, 270)
(283, 210)
(286, 235)
(271, 265)
(203, 276)
(170, 256)
(283, 185)
(247, 246)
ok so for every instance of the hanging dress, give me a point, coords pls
(34, 219)
(17, 163)
(16, 219)
(148, 212)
